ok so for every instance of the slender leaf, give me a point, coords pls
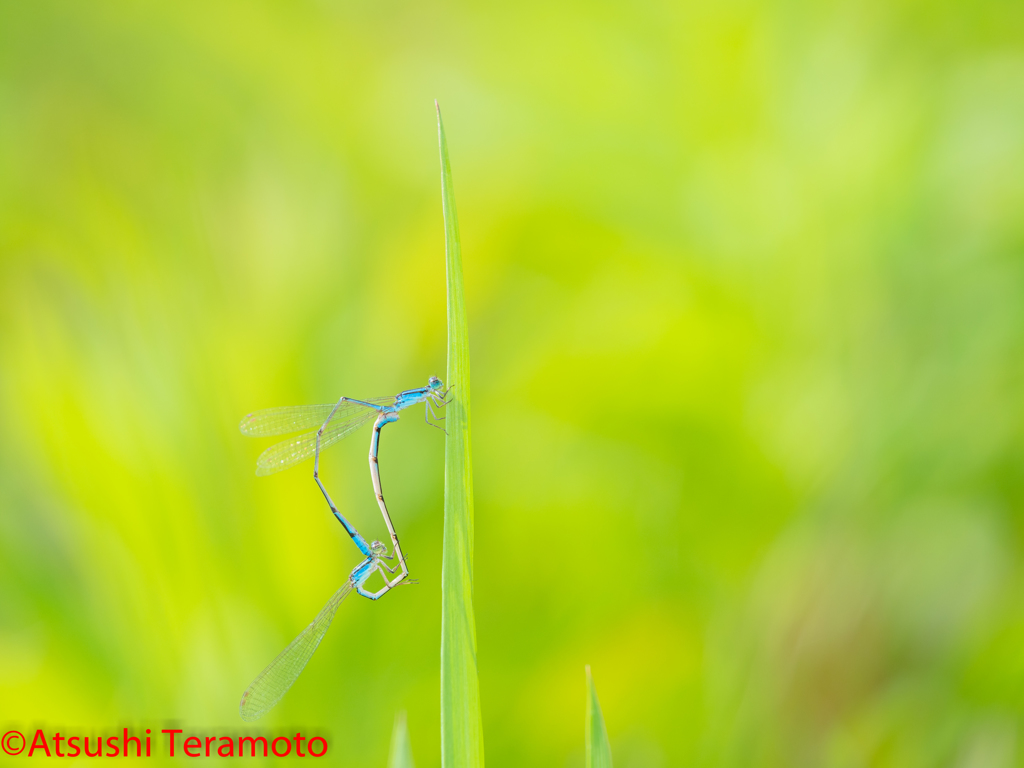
(461, 732)
(401, 749)
(599, 751)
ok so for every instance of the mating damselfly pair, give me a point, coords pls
(321, 427)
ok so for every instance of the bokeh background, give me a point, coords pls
(747, 321)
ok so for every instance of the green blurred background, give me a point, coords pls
(747, 321)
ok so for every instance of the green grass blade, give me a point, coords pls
(461, 732)
(401, 749)
(599, 751)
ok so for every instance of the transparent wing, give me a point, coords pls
(281, 421)
(295, 418)
(295, 449)
(274, 681)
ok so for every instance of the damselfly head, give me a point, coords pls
(378, 548)
(434, 383)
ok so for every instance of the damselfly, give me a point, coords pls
(274, 681)
(327, 423)
(335, 422)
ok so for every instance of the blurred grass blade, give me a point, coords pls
(401, 749)
(461, 732)
(599, 751)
